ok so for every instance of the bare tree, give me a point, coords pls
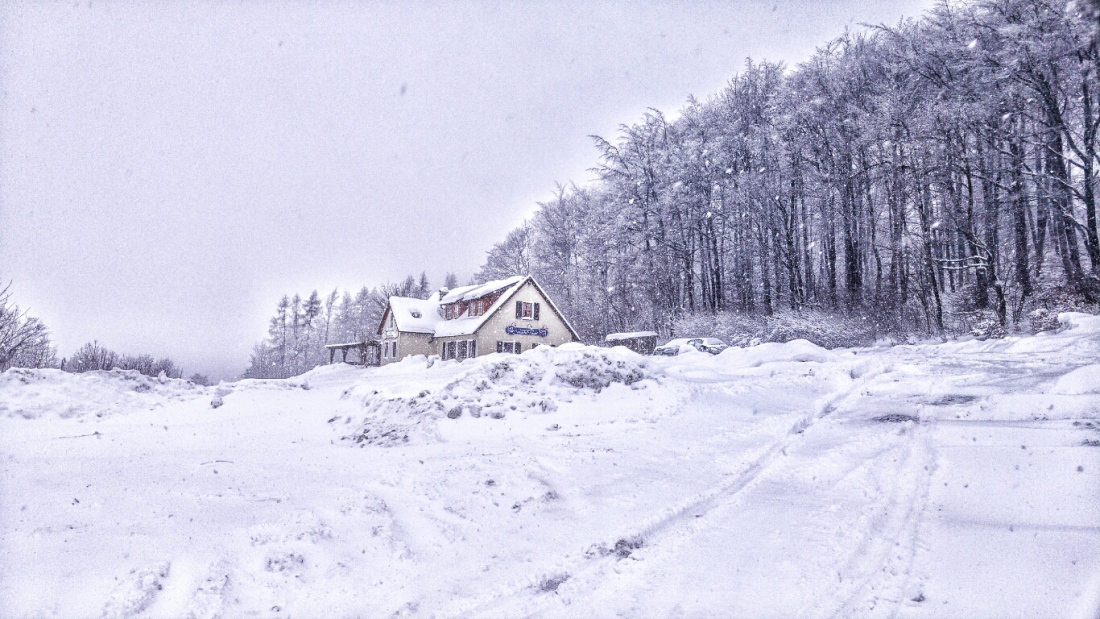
(24, 340)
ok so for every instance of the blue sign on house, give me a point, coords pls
(510, 330)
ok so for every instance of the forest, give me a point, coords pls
(929, 178)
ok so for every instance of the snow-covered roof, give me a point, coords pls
(467, 324)
(615, 337)
(469, 293)
(416, 315)
(347, 344)
(424, 315)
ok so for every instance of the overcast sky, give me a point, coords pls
(169, 170)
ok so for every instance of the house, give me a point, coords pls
(507, 315)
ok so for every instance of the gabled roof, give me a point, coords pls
(426, 315)
(554, 307)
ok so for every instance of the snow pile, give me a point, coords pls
(30, 394)
(497, 385)
(1082, 381)
(1079, 321)
(797, 351)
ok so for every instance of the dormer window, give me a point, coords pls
(479, 306)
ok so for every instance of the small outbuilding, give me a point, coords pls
(641, 342)
(370, 352)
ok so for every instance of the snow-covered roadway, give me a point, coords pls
(949, 480)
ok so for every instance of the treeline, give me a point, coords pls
(25, 343)
(92, 356)
(918, 178)
(24, 340)
(301, 327)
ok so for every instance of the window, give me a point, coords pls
(524, 310)
(510, 347)
(458, 349)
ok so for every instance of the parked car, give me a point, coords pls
(675, 347)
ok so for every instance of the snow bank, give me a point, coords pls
(1082, 323)
(799, 351)
(1082, 381)
(33, 393)
(495, 386)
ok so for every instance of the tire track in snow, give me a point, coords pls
(524, 599)
(878, 572)
(881, 582)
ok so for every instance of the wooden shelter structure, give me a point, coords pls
(641, 342)
(370, 352)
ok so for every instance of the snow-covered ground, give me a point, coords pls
(784, 480)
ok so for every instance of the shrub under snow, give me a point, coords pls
(821, 328)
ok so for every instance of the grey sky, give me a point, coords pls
(167, 171)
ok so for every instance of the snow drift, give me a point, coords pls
(31, 394)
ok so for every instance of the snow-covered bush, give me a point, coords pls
(987, 325)
(824, 329)
(1053, 301)
(1043, 319)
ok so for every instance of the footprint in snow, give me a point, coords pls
(136, 592)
